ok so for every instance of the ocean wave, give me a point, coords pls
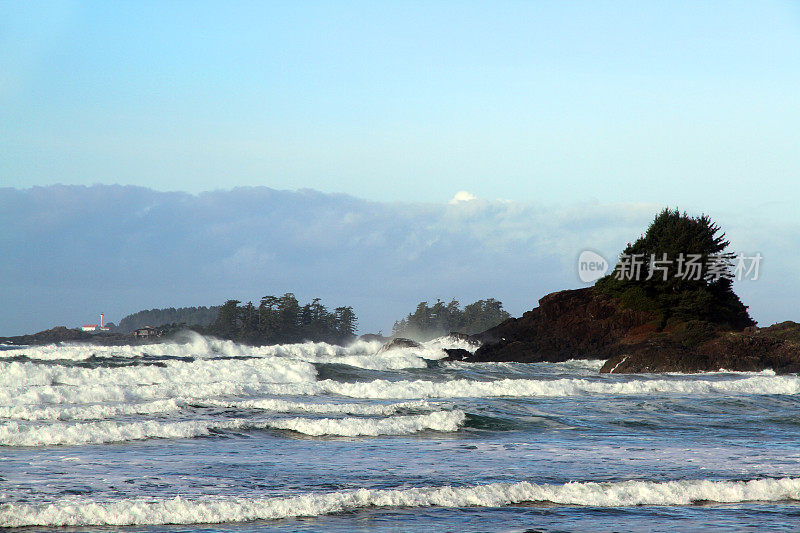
(101, 411)
(194, 388)
(283, 406)
(361, 354)
(13, 433)
(451, 342)
(87, 412)
(84, 512)
(464, 388)
(261, 370)
(445, 421)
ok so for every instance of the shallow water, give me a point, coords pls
(213, 436)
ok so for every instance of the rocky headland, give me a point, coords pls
(588, 324)
(660, 316)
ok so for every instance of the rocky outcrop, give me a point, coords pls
(752, 350)
(567, 324)
(61, 334)
(373, 337)
(399, 342)
(50, 336)
(588, 324)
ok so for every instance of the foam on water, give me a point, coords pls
(360, 354)
(463, 388)
(450, 342)
(83, 511)
(447, 421)
(14, 433)
(88, 412)
(283, 406)
(261, 370)
(251, 382)
(102, 411)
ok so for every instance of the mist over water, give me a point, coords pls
(287, 438)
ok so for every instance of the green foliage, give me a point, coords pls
(693, 332)
(192, 316)
(709, 298)
(279, 320)
(428, 322)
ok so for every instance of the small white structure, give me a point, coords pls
(102, 327)
(93, 328)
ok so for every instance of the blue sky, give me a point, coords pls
(542, 101)
(561, 107)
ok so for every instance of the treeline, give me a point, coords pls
(281, 320)
(191, 316)
(428, 322)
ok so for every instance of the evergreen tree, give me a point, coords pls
(679, 269)
(426, 322)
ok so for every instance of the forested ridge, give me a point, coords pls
(281, 319)
(190, 316)
(431, 321)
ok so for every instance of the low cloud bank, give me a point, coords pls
(70, 252)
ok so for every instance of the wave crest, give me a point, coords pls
(83, 512)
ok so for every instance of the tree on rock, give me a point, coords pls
(681, 270)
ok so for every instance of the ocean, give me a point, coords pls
(212, 436)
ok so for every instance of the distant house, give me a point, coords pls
(89, 327)
(148, 331)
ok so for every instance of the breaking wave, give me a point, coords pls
(240, 378)
(360, 354)
(14, 433)
(465, 388)
(83, 512)
(445, 421)
(169, 406)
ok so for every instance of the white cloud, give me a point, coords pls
(462, 196)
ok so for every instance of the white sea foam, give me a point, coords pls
(283, 406)
(259, 386)
(100, 411)
(352, 427)
(360, 354)
(201, 371)
(463, 388)
(582, 364)
(450, 342)
(14, 433)
(103, 411)
(61, 433)
(83, 512)
(87, 412)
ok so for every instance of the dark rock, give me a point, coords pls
(570, 324)
(50, 336)
(399, 342)
(588, 324)
(372, 337)
(61, 334)
(751, 350)
(457, 354)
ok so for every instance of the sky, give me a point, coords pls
(594, 114)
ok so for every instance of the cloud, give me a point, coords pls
(70, 252)
(463, 196)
